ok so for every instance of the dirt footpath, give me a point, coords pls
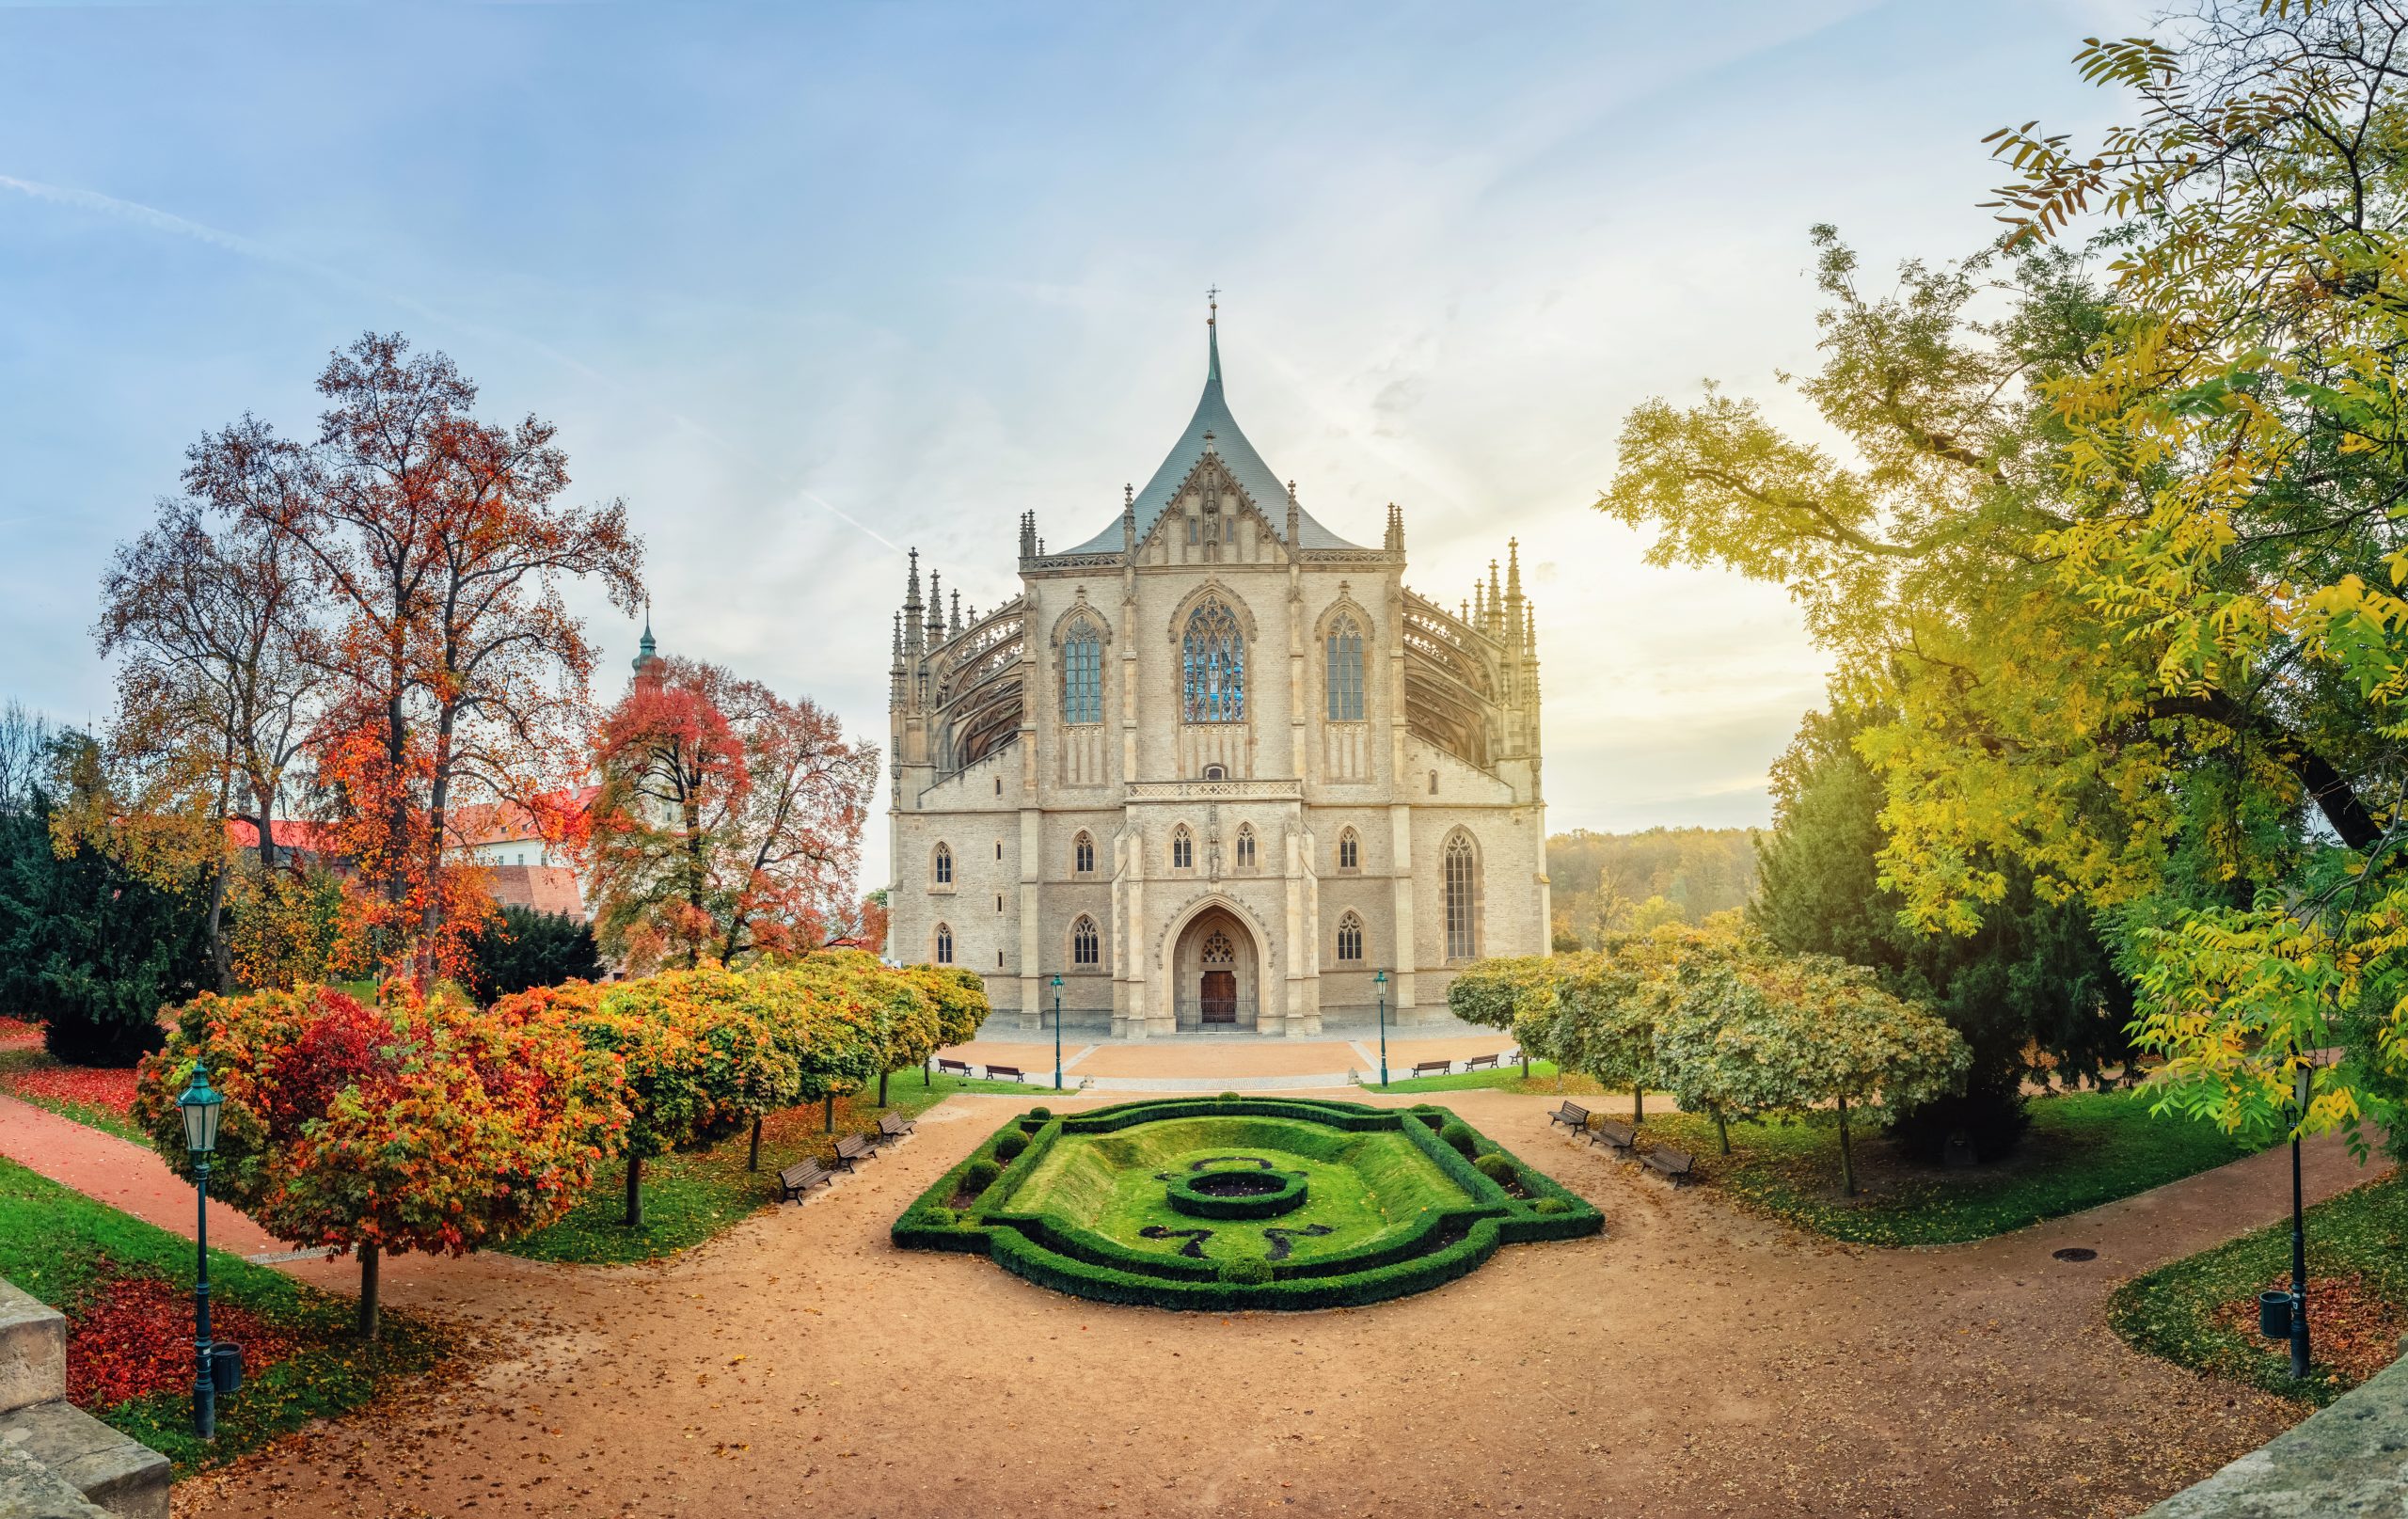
(1694, 1361)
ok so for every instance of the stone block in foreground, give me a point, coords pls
(58, 1461)
(2350, 1458)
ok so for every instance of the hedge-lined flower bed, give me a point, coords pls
(1388, 1202)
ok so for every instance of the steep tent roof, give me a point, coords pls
(1253, 476)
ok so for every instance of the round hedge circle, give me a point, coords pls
(1254, 1194)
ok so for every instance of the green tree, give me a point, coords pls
(2033, 990)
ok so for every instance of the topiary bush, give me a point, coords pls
(942, 1218)
(1459, 1136)
(1228, 1097)
(1041, 1113)
(980, 1176)
(1010, 1146)
(1246, 1270)
(1497, 1168)
(1551, 1206)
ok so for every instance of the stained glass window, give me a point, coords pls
(1350, 940)
(1083, 676)
(944, 865)
(1459, 868)
(1082, 855)
(944, 945)
(1183, 850)
(1349, 851)
(1212, 659)
(1086, 946)
(1345, 671)
(1245, 847)
(1218, 950)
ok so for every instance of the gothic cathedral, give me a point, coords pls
(1217, 767)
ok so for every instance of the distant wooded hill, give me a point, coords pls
(1609, 883)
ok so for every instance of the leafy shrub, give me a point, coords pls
(1228, 1097)
(1009, 1147)
(1248, 1270)
(980, 1176)
(937, 1216)
(1551, 1206)
(1465, 1143)
(1497, 1168)
(1990, 1112)
(1041, 1112)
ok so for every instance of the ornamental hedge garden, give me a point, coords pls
(1213, 1203)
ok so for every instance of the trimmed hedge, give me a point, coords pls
(1188, 1199)
(1055, 1253)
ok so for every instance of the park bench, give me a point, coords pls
(801, 1177)
(997, 1073)
(1614, 1136)
(1432, 1067)
(1476, 1061)
(855, 1148)
(1572, 1115)
(1676, 1164)
(893, 1126)
(954, 1068)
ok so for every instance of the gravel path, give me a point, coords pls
(1695, 1361)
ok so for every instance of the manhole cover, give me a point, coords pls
(2076, 1253)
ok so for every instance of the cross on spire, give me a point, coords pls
(1212, 294)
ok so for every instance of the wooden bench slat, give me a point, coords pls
(1614, 1136)
(801, 1177)
(1572, 1115)
(893, 1126)
(953, 1068)
(855, 1148)
(1433, 1068)
(1679, 1164)
(996, 1073)
(1478, 1061)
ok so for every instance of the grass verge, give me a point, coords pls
(2085, 1148)
(690, 1199)
(2201, 1311)
(68, 1251)
(94, 1097)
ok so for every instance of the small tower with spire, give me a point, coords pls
(647, 652)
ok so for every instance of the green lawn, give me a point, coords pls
(1543, 1078)
(2201, 1311)
(1360, 1189)
(689, 1198)
(68, 1250)
(2085, 1148)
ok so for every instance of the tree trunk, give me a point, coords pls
(827, 1112)
(635, 1190)
(1848, 1163)
(371, 1321)
(881, 1088)
(1722, 1131)
(221, 957)
(1638, 1105)
(753, 1158)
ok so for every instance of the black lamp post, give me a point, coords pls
(1058, 1032)
(2284, 1315)
(200, 1105)
(1381, 981)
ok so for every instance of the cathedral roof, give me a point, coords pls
(1253, 476)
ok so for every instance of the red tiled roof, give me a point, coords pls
(543, 888)
(289, 833)
(477, 823)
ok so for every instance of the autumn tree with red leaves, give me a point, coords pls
(456, 672)
(728, 822)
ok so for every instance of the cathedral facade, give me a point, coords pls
(1217, 767)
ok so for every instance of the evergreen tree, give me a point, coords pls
(2036, 985)
(523, 949)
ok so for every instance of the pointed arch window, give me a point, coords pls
(1350, 850)
(1345, 671)
(1086, 946)
(1245, 846)
(1213, 665)
(1082, 854)
(1182, 849)
(1350, 940)
(1083, 676)
(942, 869)
(944, 945)
(1462, 892)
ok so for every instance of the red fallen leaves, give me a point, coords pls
(130, 1337)
(2351, 1328)
(16, 1032)
(110, 1090)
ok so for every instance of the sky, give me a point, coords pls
(806, 285)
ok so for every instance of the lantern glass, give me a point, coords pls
(200, 1105)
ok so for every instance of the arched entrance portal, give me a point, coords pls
(1215, 973)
